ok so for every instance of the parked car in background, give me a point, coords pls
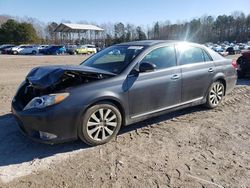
(71, 49)
(243, 64)
(5, 47)
(53, 50)
(8, 50)
(24, 49)
(230, 51)
(109, 90)
(43, 46)
(231, 48)
(86, 49)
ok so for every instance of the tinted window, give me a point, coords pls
(189, 54)
(163, 57)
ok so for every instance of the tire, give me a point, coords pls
(33, 52)
(15, 53)
(100, 123)
(215, 95)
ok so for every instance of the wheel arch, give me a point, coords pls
(113, 101)
(220, 78)
(223, 81)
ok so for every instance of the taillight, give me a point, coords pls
(234, 64)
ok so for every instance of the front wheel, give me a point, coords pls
(215, 95)
(100, 124)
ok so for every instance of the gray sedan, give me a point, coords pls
(118, 86)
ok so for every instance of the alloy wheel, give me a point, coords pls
(216, 93)
(102, 124)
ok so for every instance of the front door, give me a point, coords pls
(151, 92)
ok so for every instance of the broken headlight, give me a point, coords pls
(46, 100)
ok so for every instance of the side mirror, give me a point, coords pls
(147, 67)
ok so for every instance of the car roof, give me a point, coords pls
(154, 42)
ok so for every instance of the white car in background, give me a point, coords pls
(24, 49)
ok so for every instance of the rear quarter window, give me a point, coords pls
(215, 56)
(206, 56)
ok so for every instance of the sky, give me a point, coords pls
(140, 12)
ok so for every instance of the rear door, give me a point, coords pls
(28, 49)
(197, 70)
(153, 91)
(23, 49)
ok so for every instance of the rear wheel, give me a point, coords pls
(15, 52)
(215, 94)
(100, 124)
(34, 52)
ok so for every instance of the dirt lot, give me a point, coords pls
(194, 147)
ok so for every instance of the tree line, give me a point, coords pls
(234, 27)
(13, 32)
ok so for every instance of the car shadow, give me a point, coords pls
(15, 148)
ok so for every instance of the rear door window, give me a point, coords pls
(189, 54)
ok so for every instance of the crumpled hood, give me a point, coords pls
(43, 77)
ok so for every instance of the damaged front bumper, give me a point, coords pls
(50, 125)
(45, 109)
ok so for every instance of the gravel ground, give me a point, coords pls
(194, 147)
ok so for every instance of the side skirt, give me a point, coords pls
(161, 111)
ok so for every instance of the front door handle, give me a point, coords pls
(175, 77)
(211, 70)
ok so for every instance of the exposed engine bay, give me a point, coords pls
(39, 83)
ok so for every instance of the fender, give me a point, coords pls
(113, 98)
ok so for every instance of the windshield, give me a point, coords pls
(114, 59)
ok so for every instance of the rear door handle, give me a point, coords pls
(175, 77)
(211, 70)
